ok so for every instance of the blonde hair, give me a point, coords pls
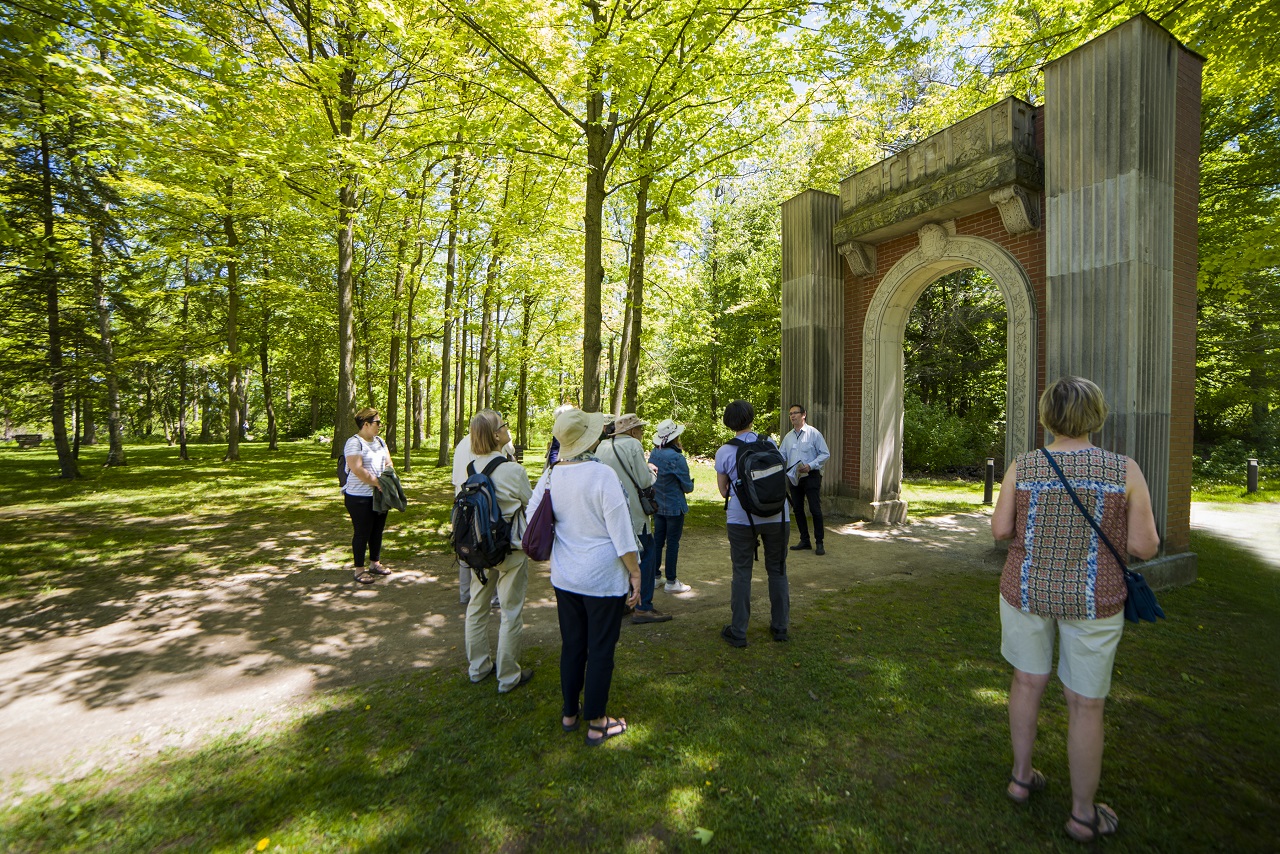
(1073, 406)
(485, 425)
(364, 416)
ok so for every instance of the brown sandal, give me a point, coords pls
(364, 576)
(378, 569)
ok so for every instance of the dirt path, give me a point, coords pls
(100, 676)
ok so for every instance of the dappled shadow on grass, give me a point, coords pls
(881, 726)
(152, 586)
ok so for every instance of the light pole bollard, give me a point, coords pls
(989, 487)
(1253, 475)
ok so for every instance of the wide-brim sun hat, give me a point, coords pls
(628, 422)
(577, 431)
(668, 431)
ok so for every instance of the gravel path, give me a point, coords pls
(1255, 527)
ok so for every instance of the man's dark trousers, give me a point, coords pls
(808, 488)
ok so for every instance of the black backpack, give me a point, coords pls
(481, 537)
(761, 482)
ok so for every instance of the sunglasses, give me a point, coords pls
(375, 421)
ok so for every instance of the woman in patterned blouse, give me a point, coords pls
(1060, 576)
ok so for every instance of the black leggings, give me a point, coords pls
(367, 527)
(589, 628)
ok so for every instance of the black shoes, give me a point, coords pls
(780, 636)
(727, 634)
(819, 550)
(801, 546)
(525, 676)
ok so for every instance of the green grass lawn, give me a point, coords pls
(881, 727)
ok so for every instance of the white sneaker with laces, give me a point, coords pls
(677, 586)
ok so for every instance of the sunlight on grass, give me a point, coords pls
(991, 696)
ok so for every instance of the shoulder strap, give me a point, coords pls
(736, 442)
(471, 468)
(1080, 506)
(490, 468)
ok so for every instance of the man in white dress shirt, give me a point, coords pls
(806, 453)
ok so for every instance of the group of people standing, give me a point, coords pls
(609, 542)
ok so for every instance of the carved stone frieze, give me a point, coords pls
(860, 256)
(1019, 210)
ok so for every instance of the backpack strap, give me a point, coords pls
(490, 468)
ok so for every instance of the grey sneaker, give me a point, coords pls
(676, 586)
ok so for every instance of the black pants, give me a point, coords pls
(808, 487)
(366, 527)
(589, 628)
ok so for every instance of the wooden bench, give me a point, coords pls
(27, 440)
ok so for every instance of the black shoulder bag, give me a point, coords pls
(1141, 602)
(647, 494)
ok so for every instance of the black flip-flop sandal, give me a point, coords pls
(364, 576)
(1037, 783)
(1104, 823)
(605, 735)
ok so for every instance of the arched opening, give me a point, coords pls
(954, 378)
(940, 253)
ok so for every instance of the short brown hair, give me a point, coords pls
(1073, 406)
(485, 425)
(364, 416)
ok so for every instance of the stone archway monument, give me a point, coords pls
(1082, 211)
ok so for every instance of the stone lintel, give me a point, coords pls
(966, 190)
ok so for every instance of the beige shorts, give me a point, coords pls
(1086, 648)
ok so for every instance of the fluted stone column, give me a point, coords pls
(813, 321)
(1110, 144)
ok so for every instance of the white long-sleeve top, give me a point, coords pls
(593, 528)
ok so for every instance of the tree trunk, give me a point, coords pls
(630, 357)
(267, 401)
(483, 396)
(183, 366)
(88, 426)
(522, 388)
(52, 281)
(599, 131)
(460, 383)
(345, 418)
(233, 331)
(421, 418)
(446, 342)
(393, 357)
(115, 453)
(206, 405)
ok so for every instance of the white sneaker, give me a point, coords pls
(676, 586)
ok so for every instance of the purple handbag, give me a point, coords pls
(540, 535)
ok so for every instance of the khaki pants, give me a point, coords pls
(511, 580)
